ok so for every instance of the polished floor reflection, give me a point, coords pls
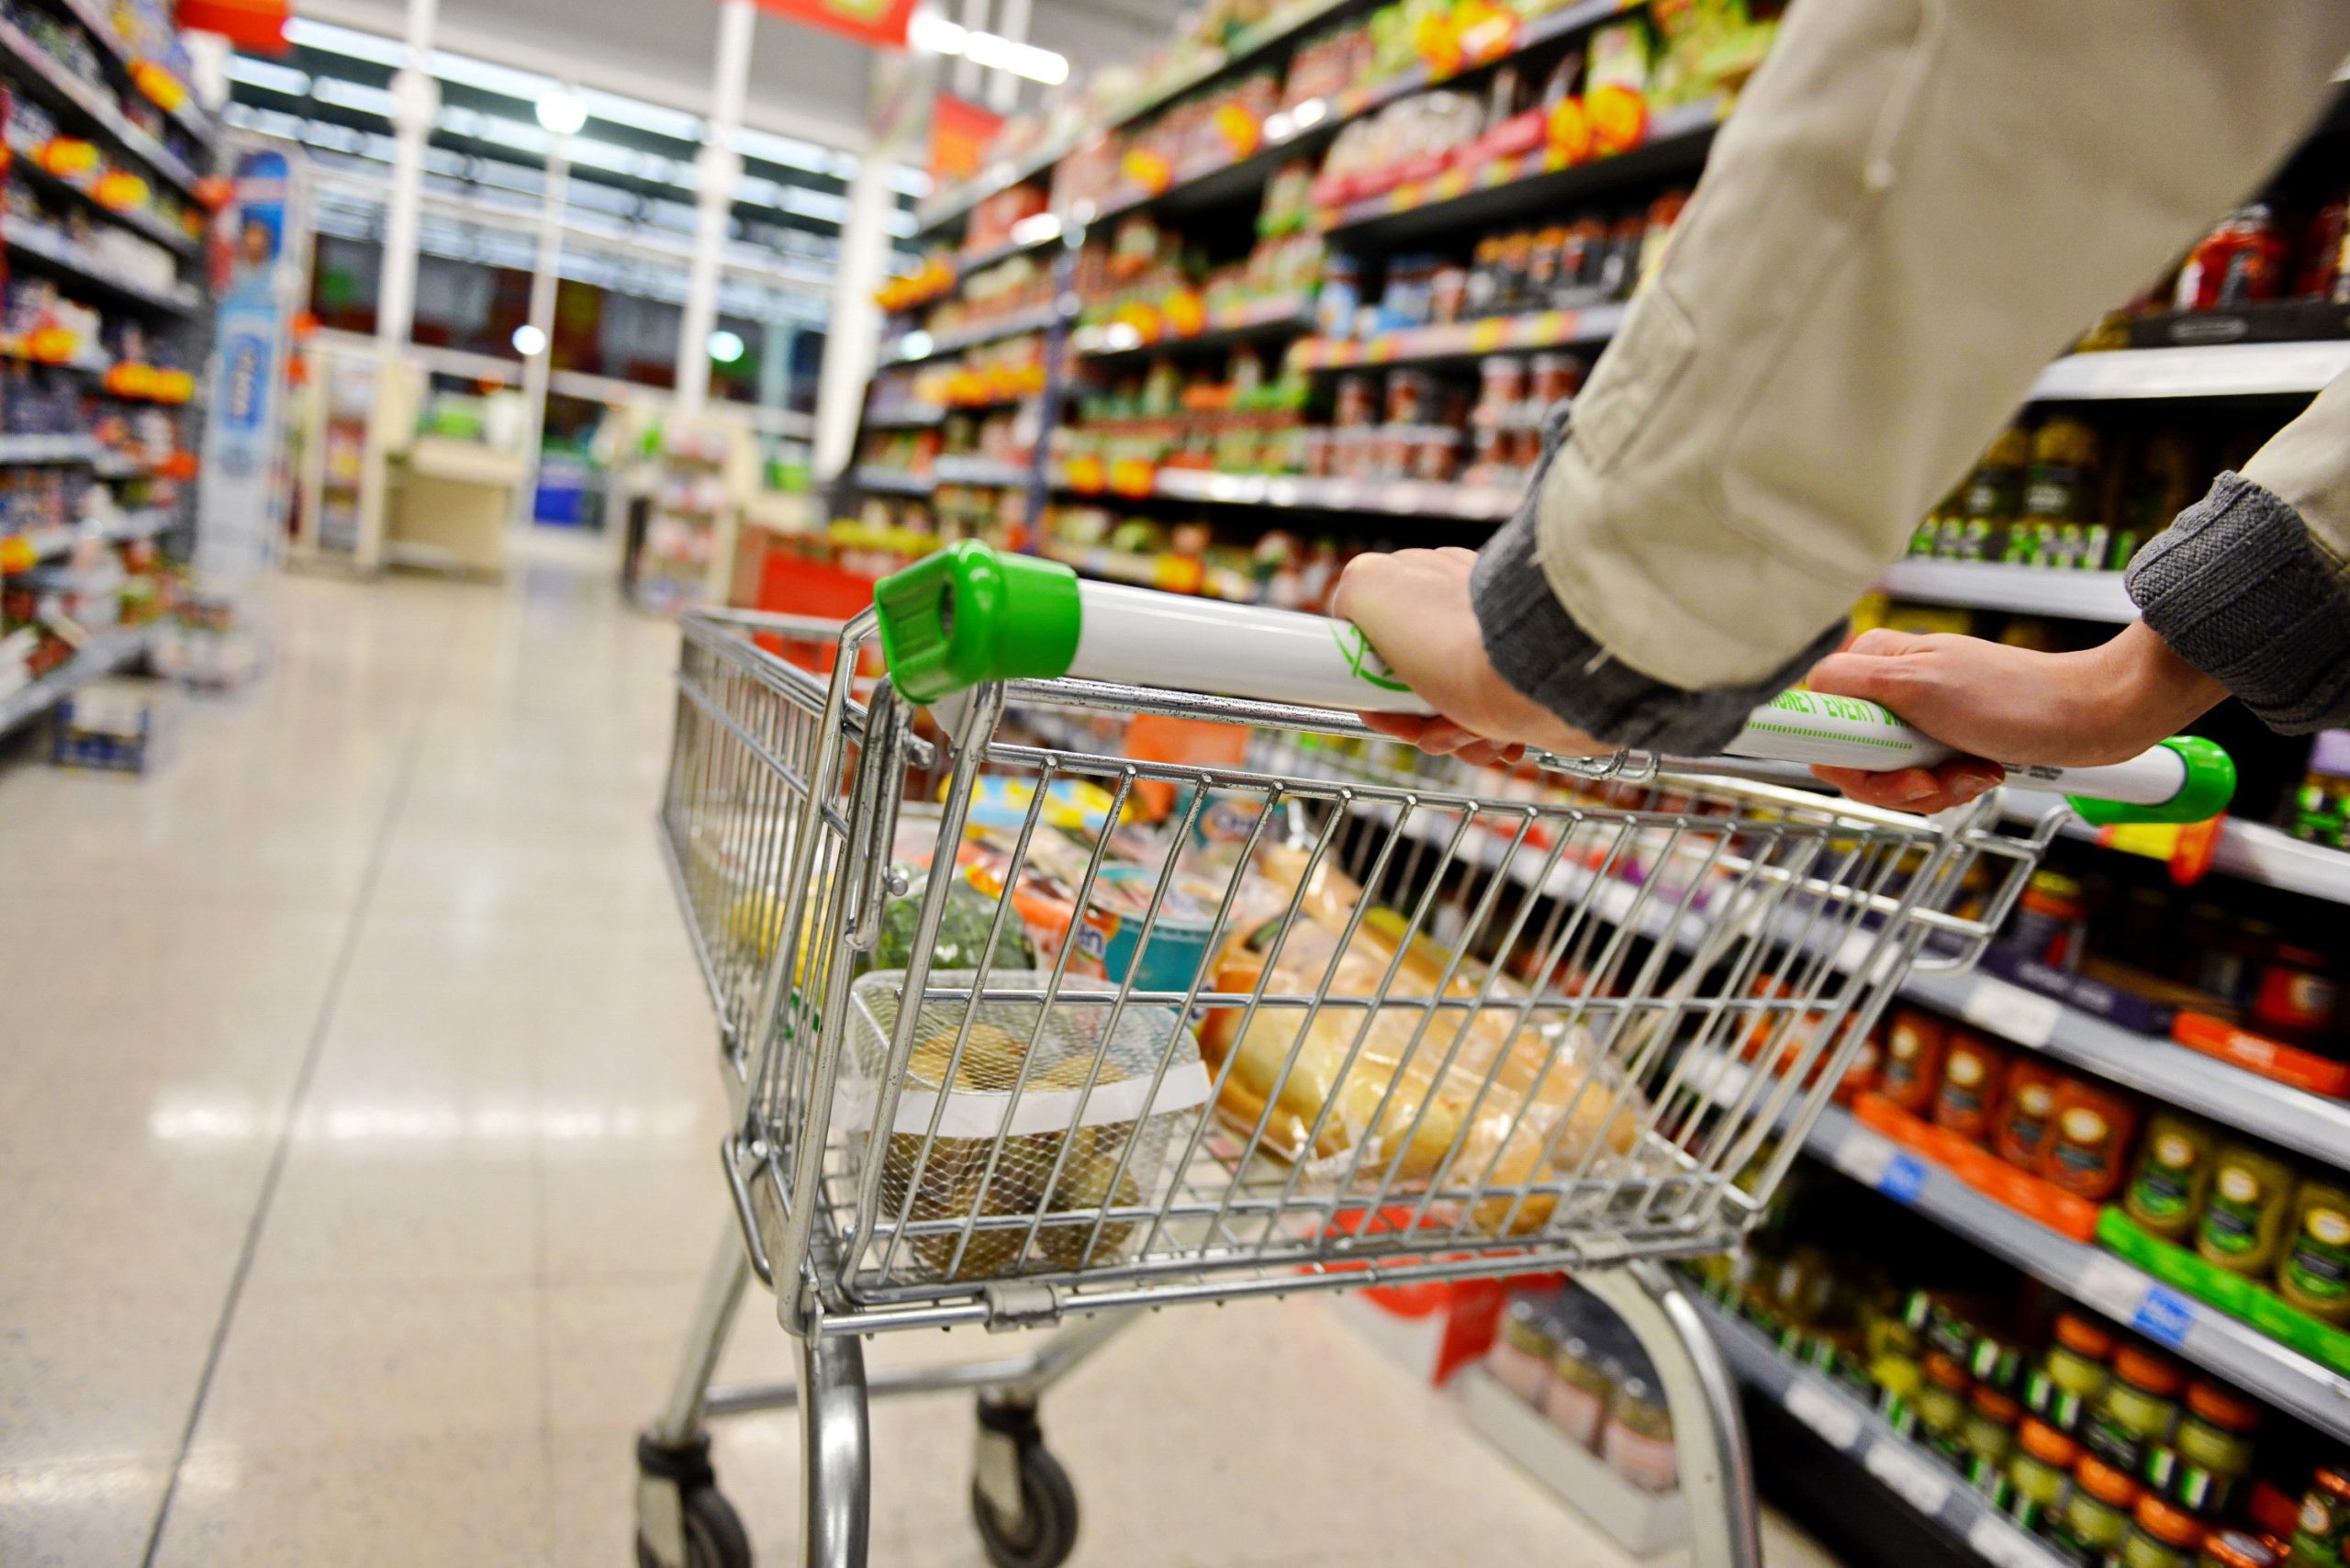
(357, 1129)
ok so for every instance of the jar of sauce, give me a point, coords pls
(2138, 1410)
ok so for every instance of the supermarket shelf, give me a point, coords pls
(2030, 591)
(2308, 1123)
(1387, 497)
(105, 653)
(2226, 370)
(2253, 851)
(2153, 1065)
(1860, 1435)
(52, 82)
(27, 450)
(2237, 1352)
(1456, 202)
(18, 551)
(890, 482)
(139, 220)
(906, 414)
(953, 207)
(191, 118)
(979, 471)
(1032, 321)
(55, 250)
(1040, 236)
(1462, 340)
(1274, 317)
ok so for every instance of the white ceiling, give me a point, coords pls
(804, 82)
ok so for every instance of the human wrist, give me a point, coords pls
(2145, 692)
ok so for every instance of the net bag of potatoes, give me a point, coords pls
(1021, 1138)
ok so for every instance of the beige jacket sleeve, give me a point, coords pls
(1917, 203)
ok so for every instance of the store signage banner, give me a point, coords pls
(960, 133)
(881, 23)
(241, 507)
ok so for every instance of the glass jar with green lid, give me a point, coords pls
(2167, 1190)
(1989, 1437)
(2040, 1472)
(2243, 1217)
(2095, 1520)
(2072, 1374)
(2162, 1536)
(2139, 1408)
(2315, 1274)
(2324, 1524)
(2210, 1453)
(1940, 1403)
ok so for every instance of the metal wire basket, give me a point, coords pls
(1443, 1021)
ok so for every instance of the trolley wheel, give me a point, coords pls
(1045, 1533)
(713, 1532)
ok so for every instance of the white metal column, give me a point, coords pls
(1003, 86)
(717, 171)
(967, 70)
(537, 366)
(851, 333)
(416, 100)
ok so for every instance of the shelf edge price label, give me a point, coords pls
(2009, 1010)
(1904, 1177)
(1863, 1156)
(1824, 1414)
(2163, 1316)
(1911, 1479)
(1996, 1542)
(2113, 1287)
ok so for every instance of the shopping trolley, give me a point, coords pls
(1098, 959)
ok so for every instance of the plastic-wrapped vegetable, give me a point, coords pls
(963, 928)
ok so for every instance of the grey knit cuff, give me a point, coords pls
(2238, 588)
(1540, 650)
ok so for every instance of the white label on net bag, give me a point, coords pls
(972, 1114)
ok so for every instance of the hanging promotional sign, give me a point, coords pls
(881, 23)
(243, 498)
(960, 133)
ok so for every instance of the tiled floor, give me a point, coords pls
(357, 1129)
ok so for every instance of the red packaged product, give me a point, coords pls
(1966, 1099)
(2088, 1149)
(1913, 1061)
(2027, 1112)
(2240, 262)
(2320, 269)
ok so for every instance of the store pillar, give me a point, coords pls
(416, 100)
(717, 173)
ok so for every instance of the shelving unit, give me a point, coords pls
(2030, 591)
(1456, 341)
(1388, 497)
(2225, 370)
(105, 653)
(136, 265)
(28, 64)
(1865, 1439)
(48, 246)
(2204, 1334)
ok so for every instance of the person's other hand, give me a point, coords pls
(2103, 704)
(1414, 605)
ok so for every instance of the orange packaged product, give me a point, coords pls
(1966, 1100)
(2088, 1147)
(2027, 1112)
(1913, 1061)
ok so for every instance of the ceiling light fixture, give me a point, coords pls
(562, 112)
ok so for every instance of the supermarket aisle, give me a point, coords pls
(358, 1133)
